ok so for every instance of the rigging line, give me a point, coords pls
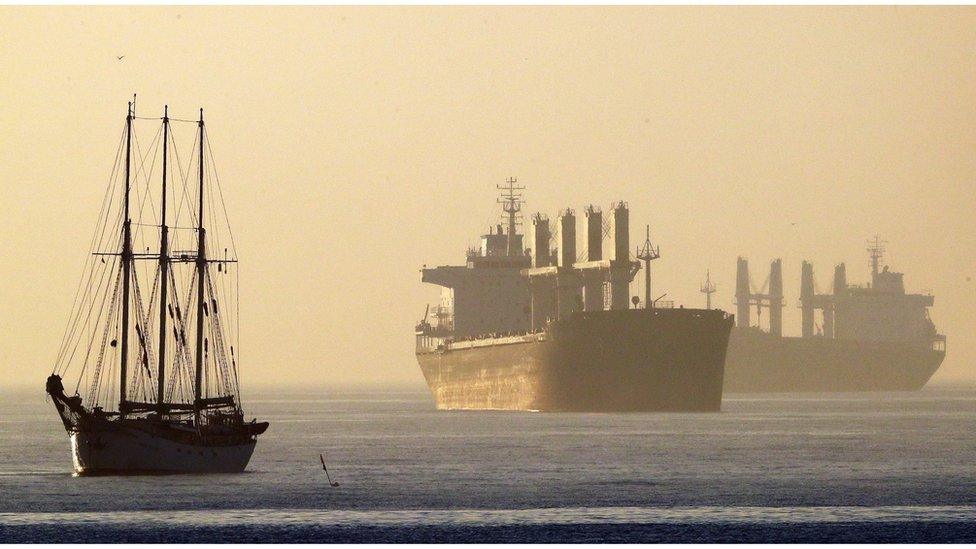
(218, 334)
(182, 320)
(111, 324)
(187, 199)
(181, 175)
(148, 329)
(221, 296)
(104, 394)
(72, 328)
(224, 292)
(76, 309)
(182, 361)
(96, 375)
(177, 354)
(98, 321)
(213, 230)
(83, 325)
(106, 201)
(141, 170)
(74, 334)
(220, 191)
(147, 177)
(237, 312)
(184, 175)
(146, 359)
(184, 178)
(181, 356)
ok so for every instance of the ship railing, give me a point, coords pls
(427, 342)
(487, 340)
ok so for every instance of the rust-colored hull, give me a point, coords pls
(759, 362)
(606, 361)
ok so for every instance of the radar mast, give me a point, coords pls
(708, 288)
(511, 201)
(648, 253)
(876, 250)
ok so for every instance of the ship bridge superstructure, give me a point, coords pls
(506, 288)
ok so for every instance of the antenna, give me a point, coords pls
(708, 288)
(876, 251)
(648, 253)
(511, 202)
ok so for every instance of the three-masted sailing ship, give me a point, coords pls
(154, 329)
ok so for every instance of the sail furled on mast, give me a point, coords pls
(147, 287)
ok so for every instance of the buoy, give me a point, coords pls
(326, 469)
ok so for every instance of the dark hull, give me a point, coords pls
(759, 362)
(606, 361)
(107, 445)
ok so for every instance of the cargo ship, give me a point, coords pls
(870, 337)
(544, 328)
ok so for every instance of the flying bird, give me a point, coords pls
(119, 57)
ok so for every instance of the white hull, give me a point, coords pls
(126, 450)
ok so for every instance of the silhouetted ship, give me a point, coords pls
(871, 338)
(549, 330)
(160, 399)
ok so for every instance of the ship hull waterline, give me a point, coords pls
(669, 360)
(761, 363)
(105, 443)
(131, 451)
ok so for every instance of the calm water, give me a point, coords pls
(844, 467)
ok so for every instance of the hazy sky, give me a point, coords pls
(356, 145)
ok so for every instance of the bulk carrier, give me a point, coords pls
(544, 328)
(873, 337)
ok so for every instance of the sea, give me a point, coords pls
(876, 467)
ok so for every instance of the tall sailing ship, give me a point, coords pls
(153, 333)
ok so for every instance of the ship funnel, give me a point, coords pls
(567, 238)
(594, 233)
(621, 232)
(840, 279)
(776, 298)
(620, 274)
(806, 298)
(592, 281)
(743, 294)
(541, 256)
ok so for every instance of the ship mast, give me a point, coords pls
(647, 254)
(708, 288)
(163, 271)
(876, 252)
(126, 265)
(201, 273)
(512, 205)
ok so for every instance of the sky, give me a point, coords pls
(356, 145)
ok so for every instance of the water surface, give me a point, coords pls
(847, 467)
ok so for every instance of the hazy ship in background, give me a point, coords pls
(872, 337)
(547, 329)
